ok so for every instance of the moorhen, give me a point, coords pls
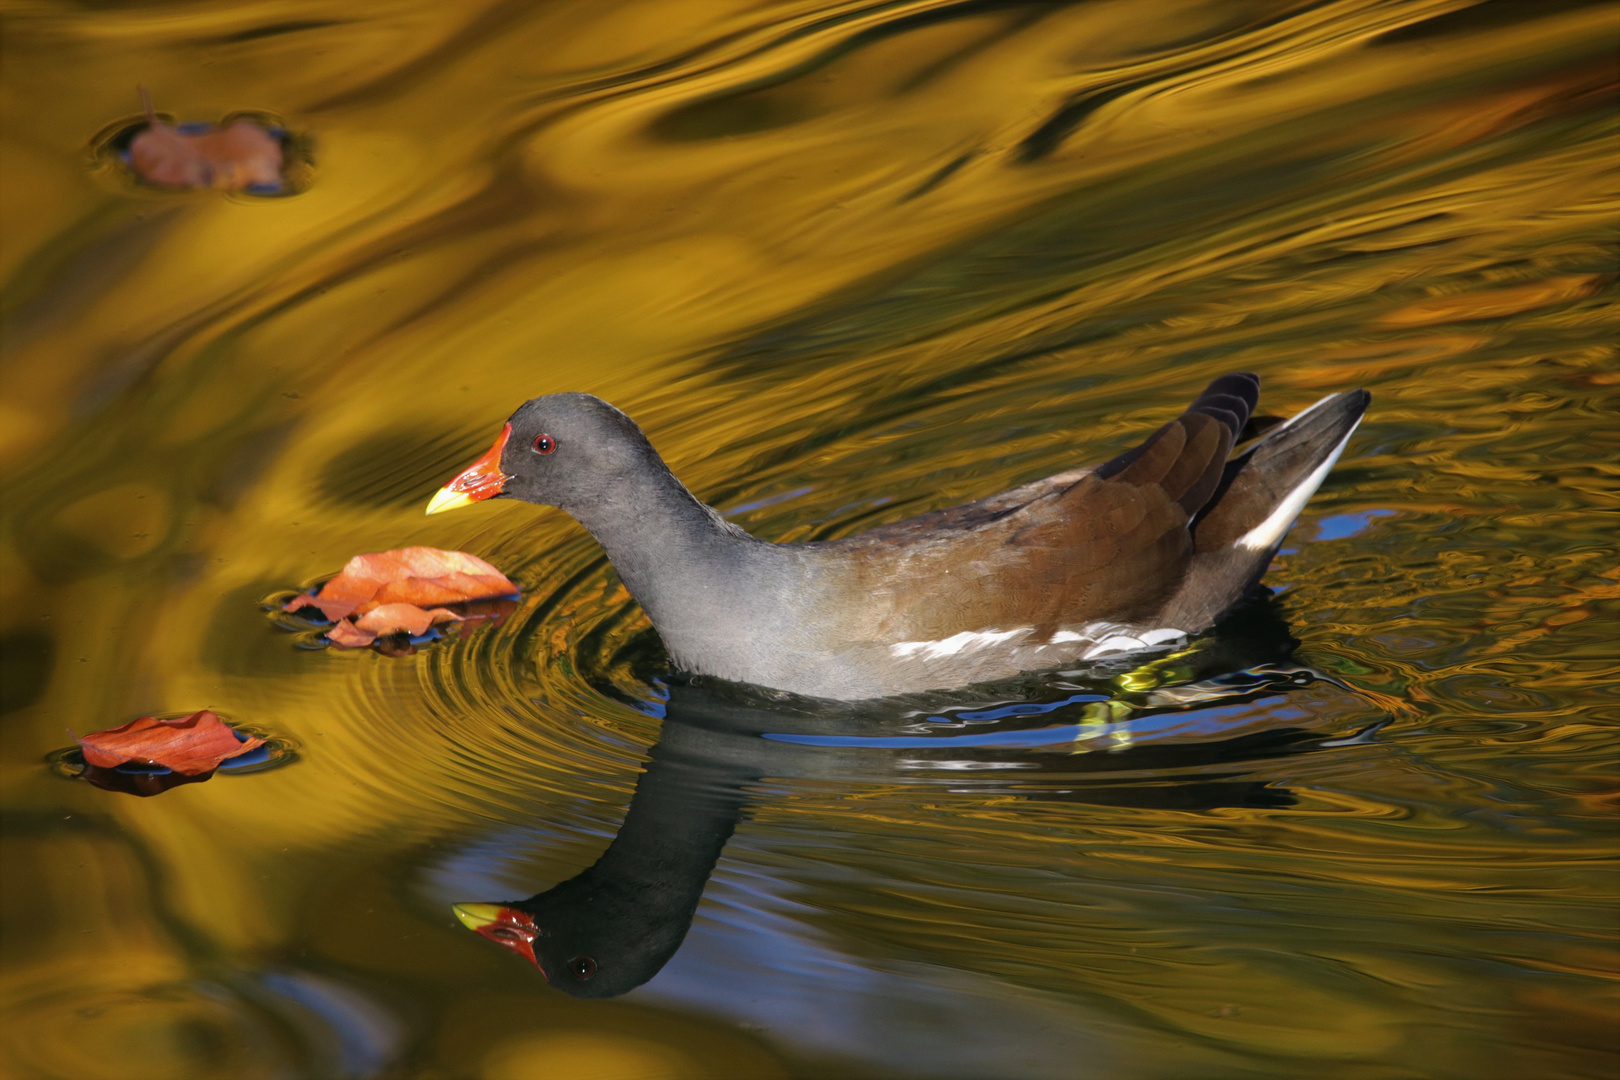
(1133, 555)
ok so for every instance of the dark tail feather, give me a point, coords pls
(1263, 490)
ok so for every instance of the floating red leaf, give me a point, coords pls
(413, 575)
(187, 744)
(388, 619)
(239, 156)
(389, 592)
(392, 618)
(345, 635)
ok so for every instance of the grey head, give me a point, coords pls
(687, 566)
(605, 934)
(575, 452)
(602, 933)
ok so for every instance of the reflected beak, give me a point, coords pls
(477, 916)
(502, 925)
(481, 480)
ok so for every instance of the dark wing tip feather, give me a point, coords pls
(1229, 401)
(1230, 398)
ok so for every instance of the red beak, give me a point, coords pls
(481, 480)
(502, 925)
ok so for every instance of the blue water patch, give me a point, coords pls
(256, 756)
(769, 500)
(1340, 526)
(1016, 739)
(1038, 737)
(1029, 708)
(368, 1036)
(1214, 721)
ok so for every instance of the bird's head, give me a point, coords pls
(583, 949)
(563, 450)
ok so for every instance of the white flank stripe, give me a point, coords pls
(934, 650)
(1271, 530)
(1159, 637)
(1119, 643)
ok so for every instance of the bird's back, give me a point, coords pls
(1147, 548)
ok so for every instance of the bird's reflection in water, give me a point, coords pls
(613, 926)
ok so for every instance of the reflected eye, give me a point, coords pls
(583, 967)
(544, 444)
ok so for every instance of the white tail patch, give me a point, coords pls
(1279, 521)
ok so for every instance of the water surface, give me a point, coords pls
(844, 263)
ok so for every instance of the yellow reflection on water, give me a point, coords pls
(844, 262)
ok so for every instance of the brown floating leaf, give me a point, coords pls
(187, 744)
(392, 618)
(389, 592)
(242, 155)
(388, 619)
(413, 575)
(344, 634)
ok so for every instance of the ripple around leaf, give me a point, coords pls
(844, 264)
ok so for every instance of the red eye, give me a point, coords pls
(544, 444)
(583, 967)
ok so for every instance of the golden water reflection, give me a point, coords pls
(844, 262)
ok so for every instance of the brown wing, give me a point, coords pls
(970, 516)
(1111, 543)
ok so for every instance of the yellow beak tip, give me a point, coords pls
(445, 499)
(476, 916)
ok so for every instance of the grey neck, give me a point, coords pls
(681, 561)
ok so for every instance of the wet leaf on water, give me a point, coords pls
(240, 156)
(388, 593)
(190, 745)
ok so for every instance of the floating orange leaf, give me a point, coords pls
(388, 619)
(345, 635)
(393, 618)
(389, 592)
(187, 744)
(413, 575)
(233, 158)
